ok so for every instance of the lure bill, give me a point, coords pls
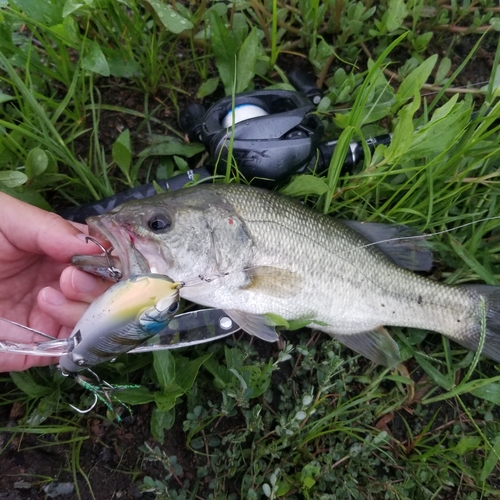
(134, 315)
(185, 330)
(139, 310)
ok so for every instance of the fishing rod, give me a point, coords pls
(271, 134)
(275, 135)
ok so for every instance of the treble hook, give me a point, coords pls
(114, 273)
(101, 390)
(92, 406)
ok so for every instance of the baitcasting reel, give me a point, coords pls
(276, 135)
(273, 134)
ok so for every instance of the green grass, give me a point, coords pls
(315, 421)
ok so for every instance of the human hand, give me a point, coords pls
(38, 287)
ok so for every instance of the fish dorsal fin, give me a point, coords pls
(413, 253)
(254, 324)
(377, 345)
(273, 281)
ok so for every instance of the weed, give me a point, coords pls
(310, 420)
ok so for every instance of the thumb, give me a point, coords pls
(34, 230)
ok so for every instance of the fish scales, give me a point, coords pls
(345, 284)
(261, 253)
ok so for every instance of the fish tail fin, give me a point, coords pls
(485, 333)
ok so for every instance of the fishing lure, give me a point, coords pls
(134, 315)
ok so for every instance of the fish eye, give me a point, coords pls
(159, 222)
(173, 308)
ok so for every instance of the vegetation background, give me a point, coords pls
(90, 96)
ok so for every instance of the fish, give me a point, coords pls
(259, 256)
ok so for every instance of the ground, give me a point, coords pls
(107, 451)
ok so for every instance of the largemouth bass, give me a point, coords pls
(256, 254)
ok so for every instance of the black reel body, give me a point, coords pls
(275, 134)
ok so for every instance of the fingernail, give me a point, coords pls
(82, 237)
(82, 282)
(53, 297)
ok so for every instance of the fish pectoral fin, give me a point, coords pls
(377, 345)
(254, 324)
(273, 281)
(403, 245)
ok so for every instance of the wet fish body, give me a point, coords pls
(259, 253)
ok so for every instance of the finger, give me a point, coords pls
(80, 286)
(17, 362)
(54, 303)
(43, 232)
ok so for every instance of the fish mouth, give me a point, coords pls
(122, 260)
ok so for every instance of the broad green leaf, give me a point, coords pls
(122, 153)
(36, 163)
(71, 6)
(45, 408)
(6, 98)
(442, 71)
(208, 87)
(27, 384)
(239, 28)
(304, 185)
(164, 366)
(122, 68)
(186, 371)
(297, 324)
(95, 61)
(222, 376)
(403, 133)
(171, 19)
(225, 51)
(278, 320)
(48, 12)
(12, 178)
(259, 378)
(380, 106)
(161, 421)
(167, 400)
(443, 130)
(495, 22)
(181, 163)
(488, 392)
(28, 195)
(492, 459)
(283, 488)
(69, 32)
(136, 396)
(396, 14)
(247, 58)
(466, 444)
(414, 81)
